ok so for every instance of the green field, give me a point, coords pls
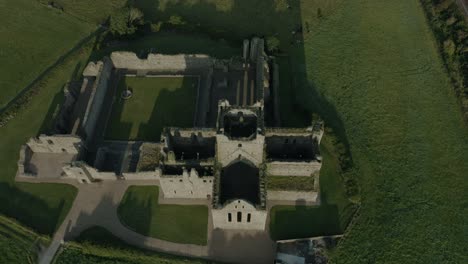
(372, 71)
(97, 245)
(140, 211)
(33, 38)
(156, 103)
(18, 244)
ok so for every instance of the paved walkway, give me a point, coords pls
(96, 205)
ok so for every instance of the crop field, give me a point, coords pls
(140, 211)
(97, 245)
(156, 102)
(33, 38)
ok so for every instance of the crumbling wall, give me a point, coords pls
(97, 98)
(44, 157)
(287, 147)
(279, 168)
(187, 185)
(160, 62)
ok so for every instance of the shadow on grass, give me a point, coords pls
(170, 108)
(139, 211)
(304, 221)
(30, 210)
(136, 214)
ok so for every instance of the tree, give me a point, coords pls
(273, 44)
(126, 21)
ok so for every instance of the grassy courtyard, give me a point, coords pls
(97, 245)
(156, 103)
(140, 211)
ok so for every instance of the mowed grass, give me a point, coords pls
(33, 38)
(140, 211)
(18, 244)
(97, 245)
(157, 102)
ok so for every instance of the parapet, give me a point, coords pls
(55, 144)
(160, 62)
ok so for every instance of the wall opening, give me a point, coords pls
(239, 217)
(248, 218)
(229, 217)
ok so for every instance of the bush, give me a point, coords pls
(451, 31)
(126, 21)
(273, 44)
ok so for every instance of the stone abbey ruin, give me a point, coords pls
(226, 156)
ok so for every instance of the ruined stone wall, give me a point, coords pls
(160, 62)
(187, 185)
(239, 214)
(278, 168)
(97, 97)
(294, 196)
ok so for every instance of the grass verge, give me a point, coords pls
(97, 245)
(18, 244)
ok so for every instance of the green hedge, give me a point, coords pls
(451, 32)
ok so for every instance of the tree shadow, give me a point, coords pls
(30, 209)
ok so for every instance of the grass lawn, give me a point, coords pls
(290, 183)
(140, 211)
(18, 244)
(33, 38)
(330, 218)
(156, 103)
(97, 245)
